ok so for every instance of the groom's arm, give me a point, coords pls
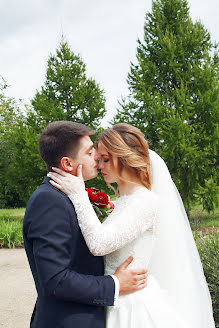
(50, 232)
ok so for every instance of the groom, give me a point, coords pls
(71, 286)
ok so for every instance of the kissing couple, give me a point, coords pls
(141, 265)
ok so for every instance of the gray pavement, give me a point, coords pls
(17, 289)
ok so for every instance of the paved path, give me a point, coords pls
(17, 289)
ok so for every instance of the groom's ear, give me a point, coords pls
(67, 164)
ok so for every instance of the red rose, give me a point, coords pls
(100, 202)
(93, 198)
(90, 191)
(101, 199)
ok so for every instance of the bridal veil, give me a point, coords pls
(175, 262)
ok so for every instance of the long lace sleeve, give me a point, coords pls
(121, 226)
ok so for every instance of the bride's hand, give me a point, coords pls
(67, 182)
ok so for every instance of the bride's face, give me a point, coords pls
(107, 164)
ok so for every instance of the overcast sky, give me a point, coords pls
(103, 32)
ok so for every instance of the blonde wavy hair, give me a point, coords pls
(127, 143)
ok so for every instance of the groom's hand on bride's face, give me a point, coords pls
(130, 280)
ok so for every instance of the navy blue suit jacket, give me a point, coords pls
(71, 288)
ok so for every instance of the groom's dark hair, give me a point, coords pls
(59, 139)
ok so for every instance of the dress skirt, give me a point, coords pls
(147, 308)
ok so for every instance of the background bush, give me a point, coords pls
(208, 247)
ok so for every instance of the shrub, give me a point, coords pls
(208, 247)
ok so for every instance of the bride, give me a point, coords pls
(149, 222)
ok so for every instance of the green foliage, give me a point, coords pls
(21, 168)
(174, 98)
(67, 93)
(26, 170)
(209, 195)
(208, 247)
(8, 121)
(10, 232)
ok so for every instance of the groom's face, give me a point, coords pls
(87, 156)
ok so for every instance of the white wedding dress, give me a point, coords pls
(129, 230)
(153, 227)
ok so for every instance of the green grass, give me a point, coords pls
(10, 233)
(11, 221)
(12, 212)
(204, 221)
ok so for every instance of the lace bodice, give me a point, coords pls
(129, 230)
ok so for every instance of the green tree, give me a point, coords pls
(174, 98)
(9, 197)
(67, 93)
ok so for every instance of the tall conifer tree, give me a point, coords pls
(68, 94)
(174, 98)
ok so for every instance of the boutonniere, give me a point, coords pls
(100, 202)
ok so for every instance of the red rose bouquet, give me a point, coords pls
(101, 203)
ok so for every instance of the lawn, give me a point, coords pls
(18, 212)
(203, 221)
(11, 221)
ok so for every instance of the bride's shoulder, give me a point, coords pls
(140, 201)
(144, 200)
(148, 195)
(143, 197)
